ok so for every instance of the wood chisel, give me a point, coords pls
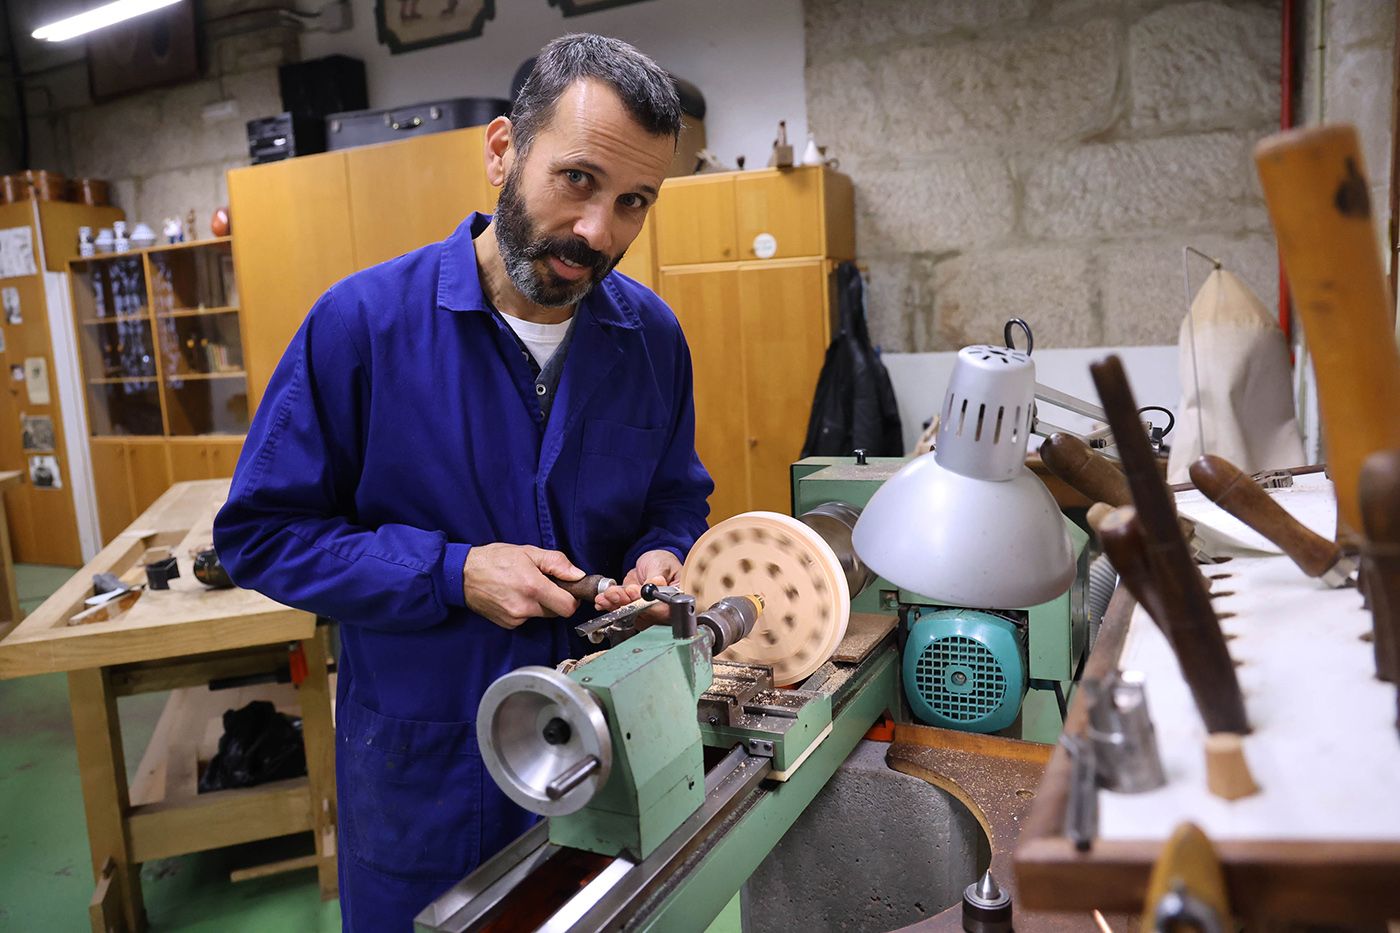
(1183, 600)
(1228, 487)
(586, 589)
(595, 629)
(1099, 479)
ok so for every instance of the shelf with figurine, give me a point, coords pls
(160, 335)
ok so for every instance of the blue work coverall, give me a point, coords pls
(400, 428)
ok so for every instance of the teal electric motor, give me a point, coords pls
(965, 668)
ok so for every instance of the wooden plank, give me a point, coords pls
(102, 770)
(221, 818)
(863, 633)
(104, 910)
(318, 733)
(10, 613)
(152, 676)
(274, 868)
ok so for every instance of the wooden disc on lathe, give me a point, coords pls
(807, 601)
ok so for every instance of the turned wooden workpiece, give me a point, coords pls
(1379, 491)
(1316, 190)
(1227, 772)
(1182, 598)
(1228, 487)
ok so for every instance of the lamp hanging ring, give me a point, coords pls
(1026, 328)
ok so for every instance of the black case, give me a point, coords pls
(271, 139)
(364, 127)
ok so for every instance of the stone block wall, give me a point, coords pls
(166, 150)
(1045, 159)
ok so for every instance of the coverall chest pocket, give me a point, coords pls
(615, 471)
(410, 798)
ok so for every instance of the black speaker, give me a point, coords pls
(320, 86)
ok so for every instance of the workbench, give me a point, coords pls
(180, 640)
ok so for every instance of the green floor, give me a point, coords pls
(45, 870)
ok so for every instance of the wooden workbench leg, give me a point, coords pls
(318, 732)
(102, 768)
(9, 589)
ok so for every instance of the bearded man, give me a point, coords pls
(449, 429)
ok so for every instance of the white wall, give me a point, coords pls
(745, 56)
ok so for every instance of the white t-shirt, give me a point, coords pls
(541, 339)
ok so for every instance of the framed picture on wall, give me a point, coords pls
(580, 7)
(405, 25)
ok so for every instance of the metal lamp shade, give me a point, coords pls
(969, 525)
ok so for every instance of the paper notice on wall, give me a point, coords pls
(36, 379)
(44, 472)
(17, 252)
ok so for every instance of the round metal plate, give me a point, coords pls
(807, 600)
(511, 728)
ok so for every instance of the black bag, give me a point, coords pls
(854, 407)
(259, 745)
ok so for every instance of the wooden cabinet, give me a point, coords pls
(757, 328)
(406, 194)
(706, 302)
(800, 212)
(306, 223)
(40, 510)
(292, 239)
(785, 316)
(640, 260)
(695, 220)
(203, 458)
(757, 334)
(129, 474)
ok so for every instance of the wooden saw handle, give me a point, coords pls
(1315, 185)
(1228, 487)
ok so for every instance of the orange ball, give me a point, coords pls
(220, 225)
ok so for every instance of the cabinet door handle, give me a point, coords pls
(753, 442)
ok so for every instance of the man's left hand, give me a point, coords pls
(659, 567)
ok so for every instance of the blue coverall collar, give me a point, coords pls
(459, 281)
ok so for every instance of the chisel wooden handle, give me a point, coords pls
(1379, 490)
(1316, 190)
(1187, 614)
(1228, 487)
(1125, 543)
(586, 589)
(1092, 475)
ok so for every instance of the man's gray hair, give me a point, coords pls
(646, 90)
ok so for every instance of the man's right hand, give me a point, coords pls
(506, 583)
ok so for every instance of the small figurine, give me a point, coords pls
(189, 225)
(172, 229)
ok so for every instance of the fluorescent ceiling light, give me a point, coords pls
(98, 18)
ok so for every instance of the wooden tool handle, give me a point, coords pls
(1091, 474)
(1228, 487)
(1184, 601)
(1379, 497)
(1125, 543)
(1315, 186)
(586, 589)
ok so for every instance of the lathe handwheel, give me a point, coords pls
(808, 602)
(538, 730)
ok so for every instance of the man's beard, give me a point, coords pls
(524, 251)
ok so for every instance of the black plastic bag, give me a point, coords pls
(259, 745)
